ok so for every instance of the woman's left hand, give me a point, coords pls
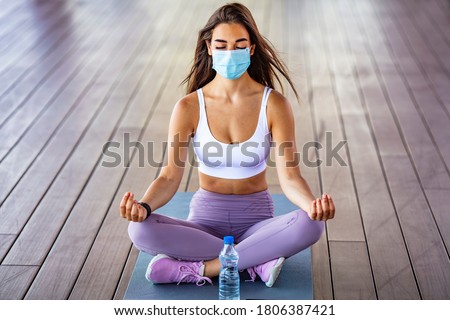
(322, 208)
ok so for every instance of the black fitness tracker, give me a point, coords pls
(147, 207)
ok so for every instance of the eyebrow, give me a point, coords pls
(224, 41)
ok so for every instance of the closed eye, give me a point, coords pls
(237, 48)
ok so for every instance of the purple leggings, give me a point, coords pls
(260, 236)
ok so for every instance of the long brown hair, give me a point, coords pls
(264, 60)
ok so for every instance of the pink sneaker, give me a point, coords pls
(268, 272)
(164, 269)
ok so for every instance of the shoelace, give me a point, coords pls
(189, 274)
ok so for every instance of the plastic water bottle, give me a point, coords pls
(229, 273)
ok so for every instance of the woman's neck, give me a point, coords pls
(231, 89)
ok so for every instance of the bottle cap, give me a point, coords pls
(228, 240)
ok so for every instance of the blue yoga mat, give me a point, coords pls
(293, 283)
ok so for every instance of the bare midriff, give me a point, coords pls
(233, 186)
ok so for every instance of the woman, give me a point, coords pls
(234, 117)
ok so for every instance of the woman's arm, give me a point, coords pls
(287, 159)
(164, 187)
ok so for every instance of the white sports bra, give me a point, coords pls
(232, 161)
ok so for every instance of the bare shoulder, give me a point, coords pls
(279, 110)
(187, 104)
(186, 111)
(277, 99)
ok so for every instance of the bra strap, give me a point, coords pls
(263, 112)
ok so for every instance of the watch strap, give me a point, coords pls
(147, 207)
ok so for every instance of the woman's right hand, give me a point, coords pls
(131, 210)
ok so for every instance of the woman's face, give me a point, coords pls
(230, 36)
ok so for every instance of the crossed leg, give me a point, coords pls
(281, 236)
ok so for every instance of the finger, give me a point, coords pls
(123, 205)
(332, 207)
(142, 213)
(313, 213)
(129, 206)
(325, 207)
(134, 212)
(319, 209)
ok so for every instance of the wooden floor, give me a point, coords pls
(77, 74)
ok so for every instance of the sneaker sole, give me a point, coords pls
(275, 272)
(150, 265)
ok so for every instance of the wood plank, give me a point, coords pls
(31, 47)
(48, 59)
(94, 198)
(429, 35)
(126, 274)
(16, 211)
(336, 178)
(50, 55)
(137, 180)
(428, 255)
(12, 9)
(113, 240)
(424, 96)
(12, 17)
(438, 202)
(6, 241)
(15, 164)
(393, 275)
(430, 163)
(13, 277)
(298, 63)
(21, 22)
(351, 271)
(426, 99)
(437, 18)
(443, 4)
(412, 208)
(421, 52)
(71, 179)
(441, 49)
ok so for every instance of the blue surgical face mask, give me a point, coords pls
(231, 64)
